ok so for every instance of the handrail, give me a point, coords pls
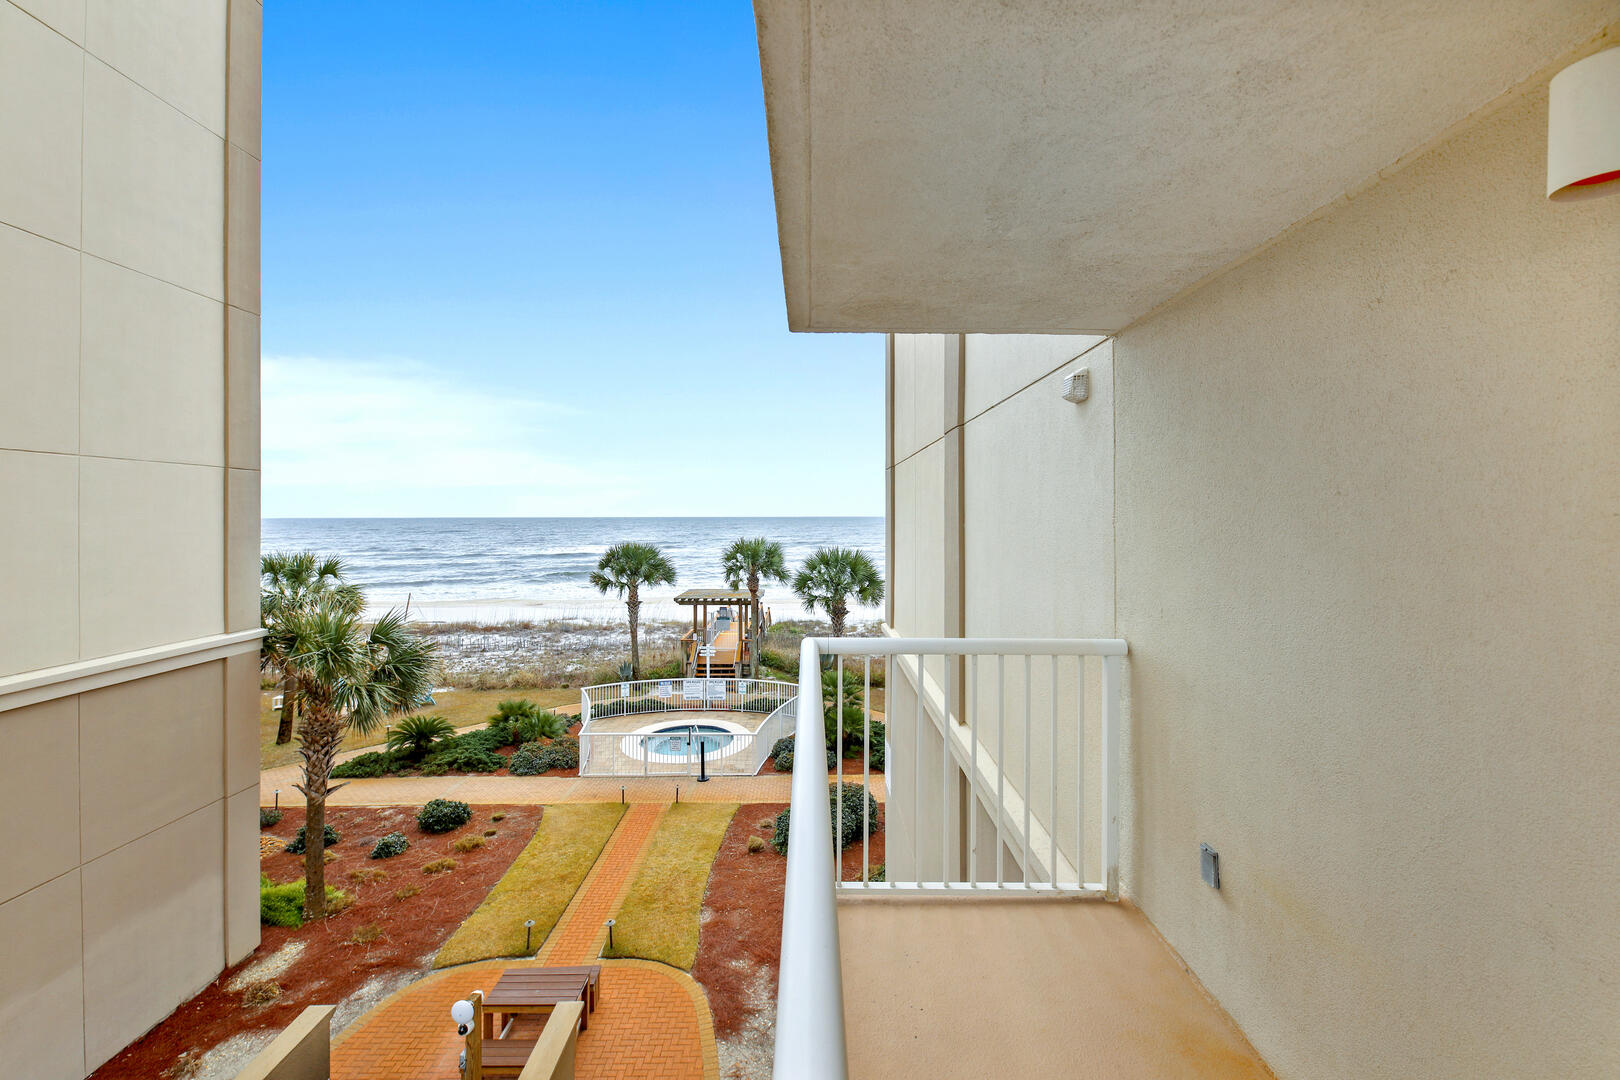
(810, 981)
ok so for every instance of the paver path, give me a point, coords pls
(526, 790)
(652, 1021)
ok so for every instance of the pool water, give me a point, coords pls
(679, 741)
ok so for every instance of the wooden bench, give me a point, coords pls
(549, 1057)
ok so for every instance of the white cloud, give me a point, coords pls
(362, 438)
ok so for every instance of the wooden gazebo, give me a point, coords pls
(728, 630)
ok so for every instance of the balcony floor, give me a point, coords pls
(1008, 988)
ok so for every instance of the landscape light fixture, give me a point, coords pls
(1583, 129)
(610, 934)
(528, 929)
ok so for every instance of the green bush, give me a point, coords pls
(269, 817)
(283, 905)
(782, 755)
(456, 755)
(367, 766)
(534, 758)
(846, 814)
(520, 720)
(759, 704)
(442, 815)
(414, 736)
(526, 762)
(389, 846)
(560, 754)
(297, 846)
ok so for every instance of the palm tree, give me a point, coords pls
(623, 569)
(752, 560)
(831, 576)
(349, 678)
(289, 582)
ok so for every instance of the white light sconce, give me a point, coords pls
(1583, 129)
(1077, 387)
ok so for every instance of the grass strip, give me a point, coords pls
(659, 917)
(538, 885)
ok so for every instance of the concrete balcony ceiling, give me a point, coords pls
(1063, 167)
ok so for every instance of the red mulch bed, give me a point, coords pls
(337, 961)
(742, 915)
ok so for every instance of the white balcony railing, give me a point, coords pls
(994, 779)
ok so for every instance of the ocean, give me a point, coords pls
(515, 569)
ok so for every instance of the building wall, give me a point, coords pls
(1363, 494)
(129, 463)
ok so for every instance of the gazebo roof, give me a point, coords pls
(713, 596)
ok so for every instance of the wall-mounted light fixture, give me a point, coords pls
(1583, 129)
(1077, 386)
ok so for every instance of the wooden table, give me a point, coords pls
(533, 991)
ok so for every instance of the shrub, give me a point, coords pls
(415, 735)
(367, 875)
(467, 843)
(845, 808)
(526, 762)
(283, 905)
(759, 704)
(491, 832)
(453, 755)
(784, 761)
(366, 934)
(407, 892)
(520, 720)
(878, 874)
(269, 817)
(498, 816)
(782, 745)
(366, 766)
(563, 753)
(442, 815)
(439, 866)
(296, 847)
(756, 843)
(389, 846)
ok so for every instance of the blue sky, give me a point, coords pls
(515, 254)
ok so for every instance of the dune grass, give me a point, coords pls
(659, 918)
(538, 885)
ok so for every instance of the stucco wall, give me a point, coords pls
(1363, 491)
(1368, 533)
(129, 459)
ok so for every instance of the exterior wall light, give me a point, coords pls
(462, 1013)
(1583, 129)
(1077, 387)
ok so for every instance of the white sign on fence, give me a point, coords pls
(691, 689)
(664, 688)
(624, 689)
(717, 689)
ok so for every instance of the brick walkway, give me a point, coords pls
(582, 930)
(526, 790)
(652, 1021)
